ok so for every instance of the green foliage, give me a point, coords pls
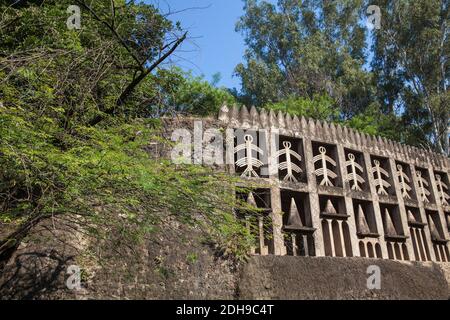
(192, 258)
(302, 49)
(104, 176)
(319, 107)
(411, 68)
(58, 160)
(192, 95)
(376, 123)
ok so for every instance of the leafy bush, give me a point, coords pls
(104, 178)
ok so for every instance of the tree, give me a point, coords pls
(180, 92)
(304, 48)
(120, 44)
(319, 107)
(411, 65)
(75, 127)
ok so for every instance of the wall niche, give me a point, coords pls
(335, 228)
(290, 160)
(254, 209)
(424, 186)
(250, 154)
(356, 175)
(326, 165)
(382, 177)
(437, 236)
(297, 223)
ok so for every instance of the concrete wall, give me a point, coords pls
(274, 277)
(398, 210)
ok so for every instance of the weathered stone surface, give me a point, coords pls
(173, 264)
(272, 277)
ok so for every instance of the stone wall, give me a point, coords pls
(272, 277)
(333, 191)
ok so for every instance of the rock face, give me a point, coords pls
(174, 264)
(272, 277)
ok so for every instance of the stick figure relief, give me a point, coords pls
(404, 182)
(379, 173)
(248, 161)
(289, 165)
(423, 185)
(352, 176)
(442, 188)
(323, 170)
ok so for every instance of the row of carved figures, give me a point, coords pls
(353, 175)
(261, 119)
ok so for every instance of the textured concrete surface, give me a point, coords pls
(385, 170)
(446, 269)
(275, 277)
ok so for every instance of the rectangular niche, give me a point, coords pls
(392, 223)
(443, 188)
(336, 233)
(261, 197)
(302, 206)
(290, 159)
(424, 192)
(381, 173)
(393, 232)
(332, 206)
(356, 175)
(437, 236)
(326, 165)
(258, 222)
(366, 225)
(366, 229)
(434, 223)
(297, 223)
(405, 181)
(447, 220)
(413, 216)
(418, 236)
(250, 154)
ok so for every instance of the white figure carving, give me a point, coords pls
(249, 161)
(323, 170)
(404, 182)
(353, 176)
(442, 187)
(423, 185)
(379, 181)
(288, 164)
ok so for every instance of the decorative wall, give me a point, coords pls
(333, 191)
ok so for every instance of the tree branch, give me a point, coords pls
(137, 80)
(114, 32)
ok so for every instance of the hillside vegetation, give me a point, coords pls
(75, 122)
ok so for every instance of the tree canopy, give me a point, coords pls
(77, 112)
(391, 81)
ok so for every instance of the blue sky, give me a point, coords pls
(216, 46)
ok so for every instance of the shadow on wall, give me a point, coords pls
(34, 274)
